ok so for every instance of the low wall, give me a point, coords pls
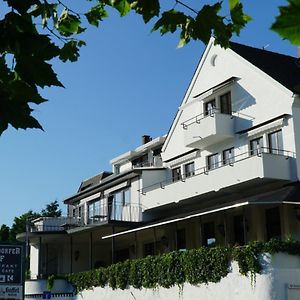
(35, 289)
(279, 280)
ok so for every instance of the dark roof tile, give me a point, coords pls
(283, 68)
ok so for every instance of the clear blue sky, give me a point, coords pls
(127, 83)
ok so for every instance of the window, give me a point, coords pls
(189, 169)
(208, 234)
(122, 197)
(97, 210)
(149, 249)
(141, 161)
(256, 146)
(209, 107)
(176, 174)
(275, 142)
(239, 230)
(228, 156)
(273, 227)
(180, 239)
(213, 161)
(225, 103)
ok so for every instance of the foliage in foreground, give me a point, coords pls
(35, 32)
(196, 266)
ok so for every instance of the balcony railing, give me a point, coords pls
(96, 213)
(124, 212)
(211, 113)
(43, 224)
(231, 161)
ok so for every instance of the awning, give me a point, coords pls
(289, 195)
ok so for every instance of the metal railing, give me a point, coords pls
(211, 113)
(157, 162)
(114, 212)
(53, 224)
(231, 161)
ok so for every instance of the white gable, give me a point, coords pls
(255, 96)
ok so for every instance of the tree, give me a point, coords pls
(51, 210)
(33, 32)
(4, 233)
(19, 224)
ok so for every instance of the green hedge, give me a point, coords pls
(195, 266)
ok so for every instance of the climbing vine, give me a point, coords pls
(195, 266)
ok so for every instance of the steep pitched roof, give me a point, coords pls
(283, 68)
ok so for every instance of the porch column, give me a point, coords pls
(71, 255)
(155, 240)
(135, 244)
(245, 226)
(113, 246)
(40, 257)
(91, 251)
(200, 231)
(47, 254)
(175, 236)
(225, 229)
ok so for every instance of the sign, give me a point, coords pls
(11, 271)
(46, 295)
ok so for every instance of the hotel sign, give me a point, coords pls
(11, 271)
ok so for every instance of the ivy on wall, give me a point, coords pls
(194, 266)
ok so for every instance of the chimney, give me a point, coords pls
(146, 139)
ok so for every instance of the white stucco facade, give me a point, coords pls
(280, 280)
(227, 172)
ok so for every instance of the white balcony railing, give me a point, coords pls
(43, 224)
(263, 163)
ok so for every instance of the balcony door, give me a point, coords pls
(225, 104)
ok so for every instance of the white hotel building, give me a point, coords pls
(226, 173)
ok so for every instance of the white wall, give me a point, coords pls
(255, 94)
(266, 166)
(279, 272)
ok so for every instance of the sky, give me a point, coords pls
(128, 82)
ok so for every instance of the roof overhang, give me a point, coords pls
(287, 196)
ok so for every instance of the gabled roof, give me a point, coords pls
(283, 68)
(93, 180)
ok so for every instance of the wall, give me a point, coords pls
(255, 95)
(279, 272)
(266, 166)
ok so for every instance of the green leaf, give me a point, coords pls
(68, 24)
(147, 8)
(233, 3)
(22, 6)
(239, 19)
(96, 14)
(287, 24)
(70, 51)
(122, 6)
(170, 21)
(41, 74)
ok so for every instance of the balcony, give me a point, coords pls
(203, 130)
(238, 172)
(101, 212)
(48, 224)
